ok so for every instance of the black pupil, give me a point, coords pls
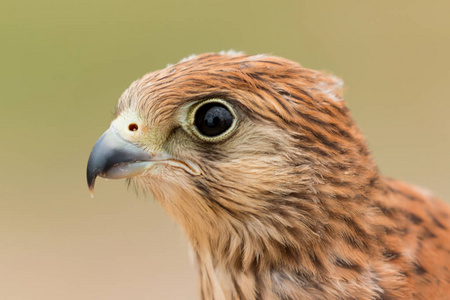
(213, 119)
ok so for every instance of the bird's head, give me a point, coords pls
(232, 141)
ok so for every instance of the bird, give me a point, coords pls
(259, 161)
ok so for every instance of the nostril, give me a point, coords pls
(133, 127)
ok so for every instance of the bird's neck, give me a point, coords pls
(292, 252)
(295, 237)
(290, 279)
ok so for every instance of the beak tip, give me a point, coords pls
(91, 190)
(91, 176)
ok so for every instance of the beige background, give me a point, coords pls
(65, 63)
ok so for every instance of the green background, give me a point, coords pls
(65, 63)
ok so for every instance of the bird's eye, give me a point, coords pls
(213, 119)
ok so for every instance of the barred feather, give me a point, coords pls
(291, 206)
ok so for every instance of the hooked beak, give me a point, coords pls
(115, 158)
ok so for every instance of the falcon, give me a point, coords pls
(259, 161)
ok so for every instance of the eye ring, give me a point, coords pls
(220, 118)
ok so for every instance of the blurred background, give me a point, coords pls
(64, 64)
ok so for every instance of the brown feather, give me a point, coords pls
(291, 205)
